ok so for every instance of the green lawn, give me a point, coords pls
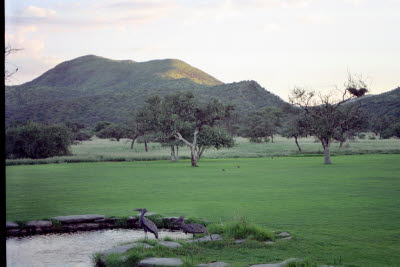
(350, 208)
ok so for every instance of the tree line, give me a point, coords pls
(180, 119)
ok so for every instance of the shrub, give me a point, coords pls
(36, 140)
(361, 136)
(240, 229)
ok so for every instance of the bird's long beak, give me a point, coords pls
(138, 210)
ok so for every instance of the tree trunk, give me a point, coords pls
(295, 139)
(173, 158)
(341, 144)
(193, 156)
(145, 146)
(327, 152)
(177, 152)
(272, 139)
(133, 140)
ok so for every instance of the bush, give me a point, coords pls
(36, 140)
(361, 136)
(240, 229)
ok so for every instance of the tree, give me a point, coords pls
(261, 124)
(8, 49)
(100, 126)
(325, 114)
(116, 131)
(35, 140)
(76, 129)
(182, 117)
(350, 128)
(295, 126)
(213, 137)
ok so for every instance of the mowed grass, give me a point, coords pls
(107, 150)
(350, 208)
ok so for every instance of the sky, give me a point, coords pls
(281, 44)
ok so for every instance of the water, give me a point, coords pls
(71, 249)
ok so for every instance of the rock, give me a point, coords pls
(213, 264)
(240, 241)
(78, 218)
(13, 232)
(161, 262)
(11, 225)
(169, 244)
(23, 232)
(286, 238)
(269, 242)
(206, 238)
(327, 266)
(39, 224)
(38, 230)
(283, 234)
(106, 220)
(280, 264)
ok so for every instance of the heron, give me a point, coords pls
(193, 228)
(146, 224)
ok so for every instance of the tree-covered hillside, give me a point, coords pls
(90, 88)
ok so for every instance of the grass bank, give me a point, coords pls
(349, 208)
(103, 150)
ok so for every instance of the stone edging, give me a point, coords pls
(73, 223)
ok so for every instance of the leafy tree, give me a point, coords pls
(101, 125)
(36, 140)
(116, 131)
(325, 114)
(261, 124)
(182, 117)
(380, 123)
(295, 126)
(76, 129)
(349, 129)
(213, 137)
(393, 130)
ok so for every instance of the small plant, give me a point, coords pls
(167, 238)
(241, 228)
(371, 137)
(96, 259)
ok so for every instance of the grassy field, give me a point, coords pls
(350, 208)
(107, 150)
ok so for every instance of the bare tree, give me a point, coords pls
(325, 113)
(8, 49)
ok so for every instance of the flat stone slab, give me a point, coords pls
(11, 225)
(161, 262)
(279, 264)
(269, 242)
(240, 241)
(286, 238)
(283, 234)
(169, 244)
(39, 224)
(213, 264)
(206, 238)
(78, 218)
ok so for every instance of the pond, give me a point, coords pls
(71, 249)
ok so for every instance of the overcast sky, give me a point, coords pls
(278, 43)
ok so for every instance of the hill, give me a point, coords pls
(91, 88)
(383, 104)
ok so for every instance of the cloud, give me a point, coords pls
(38, 12)
(316, 19)
(99, 14)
